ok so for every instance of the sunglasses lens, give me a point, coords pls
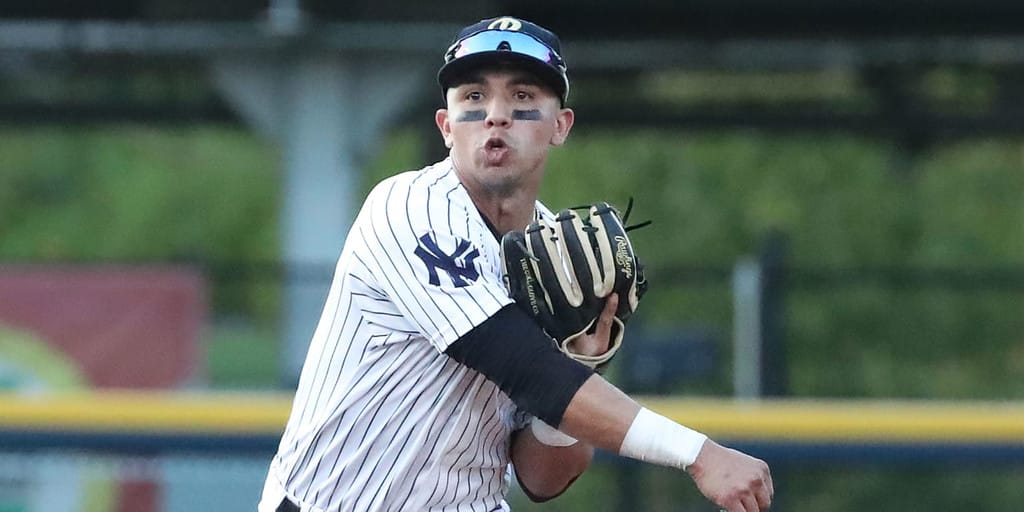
(503, 40)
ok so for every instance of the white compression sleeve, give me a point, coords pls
(656, 439)
(549, 435)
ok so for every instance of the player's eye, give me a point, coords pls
(523, 95)
(474, 95)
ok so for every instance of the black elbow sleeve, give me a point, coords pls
(514, 353)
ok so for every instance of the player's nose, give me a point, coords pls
(499, 113)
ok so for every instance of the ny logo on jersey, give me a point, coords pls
(458, 265)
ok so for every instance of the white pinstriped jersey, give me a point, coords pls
(382, 420)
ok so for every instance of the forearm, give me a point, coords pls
(604, 416)
(546, 471)
(600, 414)
(521, 360)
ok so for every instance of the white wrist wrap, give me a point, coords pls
(549, 435)
(656, 439)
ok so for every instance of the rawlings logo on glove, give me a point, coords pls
(561, 272)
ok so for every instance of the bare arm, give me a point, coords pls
(547, 470)
(601, 414)
(585, 406)
(544, 471)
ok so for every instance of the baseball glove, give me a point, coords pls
(561, 272)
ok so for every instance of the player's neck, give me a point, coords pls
(509, 213)
(507, 205)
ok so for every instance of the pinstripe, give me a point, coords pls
(448, 196)
(491, 456)
(380, 427)
(356, 278)
(387, 276)
(316, 445)
(408, 216)
(434, 424)
(482, 232)
(482, 436)
(306, 406)
(325, 478)
(344, 361)
(476, 436)
(418, 473)
(316, 400)
(455, 447)
(394, 314)
(382, 420)
(437, 438)
(334, 318)
(430, 224)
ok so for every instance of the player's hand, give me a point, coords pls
(732, 480)
(595, 342)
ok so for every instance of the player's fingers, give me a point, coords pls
(604, 319)
(764, 498)
(735, 504)
(750, 503)
(610, 306)
(604, 322)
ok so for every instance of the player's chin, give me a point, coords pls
(502, 179)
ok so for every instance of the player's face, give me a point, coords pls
(500, 126)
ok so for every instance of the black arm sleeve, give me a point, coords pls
(514, 353)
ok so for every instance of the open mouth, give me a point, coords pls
(495, 143)
(495, 151)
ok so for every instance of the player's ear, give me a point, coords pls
(563, 123)
(444, 124)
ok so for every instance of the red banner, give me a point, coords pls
(125, 327)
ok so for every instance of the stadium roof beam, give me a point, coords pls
(423, 39)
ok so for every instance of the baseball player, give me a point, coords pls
(424, 388)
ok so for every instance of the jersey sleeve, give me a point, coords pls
(430, 260)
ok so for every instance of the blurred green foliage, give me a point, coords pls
(138, 193)
(141, 194)
(202, 194)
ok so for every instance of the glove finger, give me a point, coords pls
(563, 292)
(603, 248)
(519, 272)
(578, 252)
(616, 249)
(641, 279)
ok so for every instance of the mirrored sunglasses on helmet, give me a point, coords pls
(505, 40)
